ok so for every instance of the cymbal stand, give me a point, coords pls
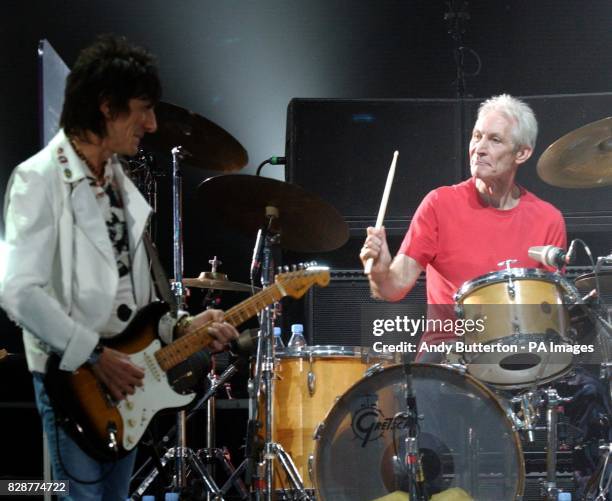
(181, 451)
(264, 371)
(179, 297)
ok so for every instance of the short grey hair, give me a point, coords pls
(525, 129)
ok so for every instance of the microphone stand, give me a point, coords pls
(269, 241)
(417, 489)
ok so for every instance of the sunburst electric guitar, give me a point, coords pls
(107, 429)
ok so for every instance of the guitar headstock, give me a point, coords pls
(296, 283)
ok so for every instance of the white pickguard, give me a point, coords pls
(154, 395)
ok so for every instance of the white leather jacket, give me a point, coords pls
(61, 276)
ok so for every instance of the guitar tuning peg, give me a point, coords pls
(301, 266)
(279, 270)
(293, 267)
(313, 263)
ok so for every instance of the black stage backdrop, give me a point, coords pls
(240, 64)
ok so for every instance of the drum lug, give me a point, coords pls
(310, 467)
(312, 380)
(510, 285)
(373, 369)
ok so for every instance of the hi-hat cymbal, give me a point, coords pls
(586, 282)
(580, 159)
(206, 145)
(306, 223)
(204, 282)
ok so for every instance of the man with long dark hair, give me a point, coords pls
(77, 266)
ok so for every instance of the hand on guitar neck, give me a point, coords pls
(222, 332)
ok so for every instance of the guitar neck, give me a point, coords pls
(198, 338)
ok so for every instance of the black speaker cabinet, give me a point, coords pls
(342, 149)
(342, 313)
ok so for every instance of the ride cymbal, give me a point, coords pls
(306, 223)
(206, 145)
(581, 158)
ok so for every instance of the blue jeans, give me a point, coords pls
(72, 461)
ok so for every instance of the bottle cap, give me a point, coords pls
(297, 328)
(564, 496)
(277, 331)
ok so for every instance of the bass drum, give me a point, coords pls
(467, 439)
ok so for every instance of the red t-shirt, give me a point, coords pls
(455, 237)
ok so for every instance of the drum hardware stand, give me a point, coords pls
(602, 492)
(412, 465)
(181, 450)
(181, 453)
(604, 338)
(267, 241)
(526, 402)
(172, 453)
(212, 453)
(549, 488)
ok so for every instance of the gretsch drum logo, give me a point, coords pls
(370, 424)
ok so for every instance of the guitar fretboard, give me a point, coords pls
(198, 338)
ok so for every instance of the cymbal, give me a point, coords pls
(586, 282)
(206, 145)
(580, 159)
(204, 282)
(306, 223)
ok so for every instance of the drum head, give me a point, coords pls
(466, 438)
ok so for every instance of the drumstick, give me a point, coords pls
(383, 206)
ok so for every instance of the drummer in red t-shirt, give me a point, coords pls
(463, 231)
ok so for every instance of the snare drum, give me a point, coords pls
(524, 316)
(466, 438)
(306, 385)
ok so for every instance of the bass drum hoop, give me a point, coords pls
(504, 411)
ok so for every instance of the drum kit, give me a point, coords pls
(341, 423)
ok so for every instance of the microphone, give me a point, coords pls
(550, 255)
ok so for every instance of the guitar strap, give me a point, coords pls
(162, 283)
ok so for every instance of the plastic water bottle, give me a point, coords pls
(297, 340)
(278, 340)
(564, 496)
